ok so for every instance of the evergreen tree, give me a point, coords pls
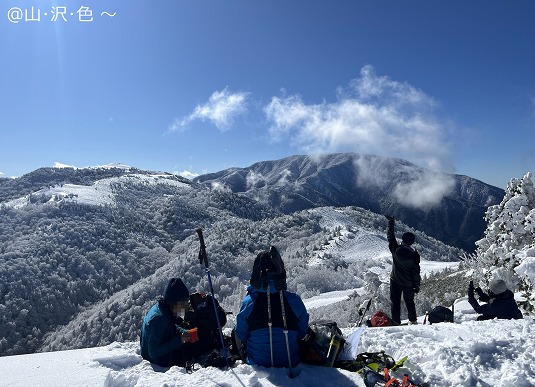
(509, 238)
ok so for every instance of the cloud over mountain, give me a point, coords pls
(375, 114)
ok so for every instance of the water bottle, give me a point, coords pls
(334, 347)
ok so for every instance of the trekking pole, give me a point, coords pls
(204, 261)
(285, 330)
(365, 311)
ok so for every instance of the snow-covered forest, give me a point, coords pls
(81, 264)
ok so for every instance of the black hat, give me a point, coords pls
(408, 238)
(176, 291)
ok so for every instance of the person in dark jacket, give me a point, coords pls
(405, 275)
(163, 341)
(499, 301)
(264, 345)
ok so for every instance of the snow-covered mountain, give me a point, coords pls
(447, 207)
(84, 252)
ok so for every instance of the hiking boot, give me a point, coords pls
(413, 322)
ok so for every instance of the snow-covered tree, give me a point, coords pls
(508, 247)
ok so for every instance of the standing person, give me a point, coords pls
(266, 345)
(162, 341)
(500, 301)
(405, 276)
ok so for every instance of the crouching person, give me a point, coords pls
(272, 320)
(499, 301)
(163, 342)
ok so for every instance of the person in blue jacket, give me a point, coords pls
(499, 301)
(264, 345)
(163, 341)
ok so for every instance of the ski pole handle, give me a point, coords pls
(202, 252)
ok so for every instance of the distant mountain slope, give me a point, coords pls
(447, 207)
(48, 177)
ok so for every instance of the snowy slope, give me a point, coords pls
(357, 244)
(466, 353)
(99, 193)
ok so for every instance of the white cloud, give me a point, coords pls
(217, 186)
(285, 177)
(415, 186)
(374, 115)
(254, 179)
(221, 109)
(187, 174)
(424, 190)
(1, 173)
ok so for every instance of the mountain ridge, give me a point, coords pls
(379, 184)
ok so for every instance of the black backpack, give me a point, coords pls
(314, 347)
(268, 265)
(204, 315)
(440, 314)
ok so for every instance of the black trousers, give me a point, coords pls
(396, 291)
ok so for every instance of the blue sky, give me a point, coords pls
(199, 86)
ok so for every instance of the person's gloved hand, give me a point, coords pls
(480, 292)
(390, 218)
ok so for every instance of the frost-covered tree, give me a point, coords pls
(509, 242)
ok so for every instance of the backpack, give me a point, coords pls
(314, 347)
(439, 314)
(204, 316)
(379, 319)
(268, 265)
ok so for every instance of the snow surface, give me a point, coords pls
(329, 298)
(465, 353)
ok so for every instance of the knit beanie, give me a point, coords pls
(408, 238)
(497, 286)
(176, 291)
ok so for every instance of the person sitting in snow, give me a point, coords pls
(499, 301)
(405, 275)
(163, 342)
(267, 344)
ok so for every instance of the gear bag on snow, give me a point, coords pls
(376, 361)
(379, 319)
(439, 314)
(376, 368)
(384, 379)
(321, 335)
